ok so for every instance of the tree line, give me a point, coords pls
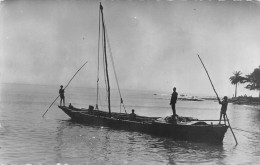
(252, 80)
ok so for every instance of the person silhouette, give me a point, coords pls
(223, 111)
(173, 101)
(132, 116)
(62, 97)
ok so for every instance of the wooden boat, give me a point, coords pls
(191, 130)
(179, 128)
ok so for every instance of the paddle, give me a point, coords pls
(64, 88)
(217, 97)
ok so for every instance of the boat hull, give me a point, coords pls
(196, 133)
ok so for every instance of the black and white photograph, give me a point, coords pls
(136, 82)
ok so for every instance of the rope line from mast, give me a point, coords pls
(100, 42)
(104, 40)
(114, 69)
(103, 54)
(100, 103)
(104, 67)
(105, 57)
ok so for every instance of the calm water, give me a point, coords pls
(26, 137)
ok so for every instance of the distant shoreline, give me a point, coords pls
(245, 100)
(254, 101)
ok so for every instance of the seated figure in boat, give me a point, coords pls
(91, 109)
(223, 111)
(70, 106)
(132, 116)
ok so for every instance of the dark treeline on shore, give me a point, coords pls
(252, 80)
(244, 100)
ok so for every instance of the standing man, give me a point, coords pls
(62, 97)
(174, 100)
(223, 111)
(132, 116)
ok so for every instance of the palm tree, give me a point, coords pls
(253, 80)
(236, 79)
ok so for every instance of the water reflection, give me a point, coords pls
(181, 151)
(84, 143)
(106, 146)
(59, 139)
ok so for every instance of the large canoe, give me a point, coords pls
(195, 131)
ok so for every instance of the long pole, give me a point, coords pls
(231, 129)
(217, 97)
(208, 77)
(65, 87)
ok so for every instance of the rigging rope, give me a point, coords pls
(100, 103)
(105, 56)
(113, 64)
(105, 67)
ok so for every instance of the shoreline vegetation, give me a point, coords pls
(253, 83)
(241, 100)
(244, 100)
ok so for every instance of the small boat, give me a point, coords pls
(178, 128)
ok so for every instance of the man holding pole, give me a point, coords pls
(223, 111)
(224, 103)
(64, 89)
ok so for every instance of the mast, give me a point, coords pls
(105, 56)
(98, 60)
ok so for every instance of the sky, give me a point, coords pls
(154, 43)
